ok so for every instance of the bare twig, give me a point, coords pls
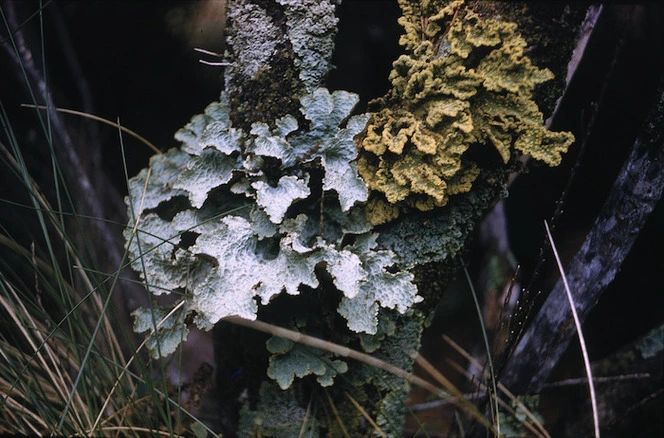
(343, 351)
(529, 296)
(607, 379)
(337, 349)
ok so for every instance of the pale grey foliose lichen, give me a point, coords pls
(259, 46)
(230, 220)
(312, 26)
(290, 360)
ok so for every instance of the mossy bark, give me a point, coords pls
(265, 83)
(262, 82)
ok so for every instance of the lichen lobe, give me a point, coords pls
(465, 81)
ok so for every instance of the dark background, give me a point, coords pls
(135, 61)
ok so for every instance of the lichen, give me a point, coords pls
(652, 343)
(427, 238)
(312, 27)
(267, 209)
(168, 329)
(290, 360)
(399, 336)
(233, 219)
(465, 82)
(260, 46)
(277, 52)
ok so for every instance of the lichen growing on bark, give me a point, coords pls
(312, 27)
(274, 242)
(464, 83)
(262, 213)
(278, 50)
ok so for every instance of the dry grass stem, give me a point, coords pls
(137, 136)
(366, 415)
(582, 341)
(500, 386)
(336, 413)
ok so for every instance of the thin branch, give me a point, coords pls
(342, 351)
(608, 379)
(529, 297)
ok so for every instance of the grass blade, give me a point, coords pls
(582, 341)
(486, 346)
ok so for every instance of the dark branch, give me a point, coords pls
(635, 193)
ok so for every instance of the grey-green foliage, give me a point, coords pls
(230, 218)
(312, 26)
(290, 360)
(260, 45)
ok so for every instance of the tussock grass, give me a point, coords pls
(68, 366)
(64, 367)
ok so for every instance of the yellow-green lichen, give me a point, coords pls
(464, 82)
(406, 157)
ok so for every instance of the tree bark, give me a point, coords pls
(635, 193)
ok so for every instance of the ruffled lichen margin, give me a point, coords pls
(268, 211)
(465, 83)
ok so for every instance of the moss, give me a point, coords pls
(464, 82)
